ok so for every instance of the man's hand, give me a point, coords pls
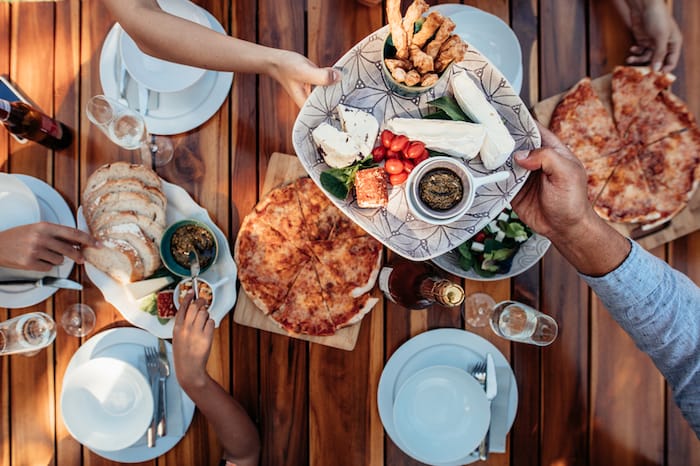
(193, 334)
(41, 246)
(657, 37)
(297, 74)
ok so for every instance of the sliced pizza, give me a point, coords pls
(267, 262)
(599, 171)
(632, 89)
(304, 310)
(335, 256)
(281, 210)
(662, 116)
(583, 123)
(318, 211)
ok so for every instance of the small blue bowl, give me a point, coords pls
(183, 236)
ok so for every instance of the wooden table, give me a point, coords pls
(590, 398)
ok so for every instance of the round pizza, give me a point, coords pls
(304, 263)
(643, 161)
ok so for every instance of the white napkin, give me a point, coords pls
(499, 412)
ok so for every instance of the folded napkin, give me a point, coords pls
(499, 411)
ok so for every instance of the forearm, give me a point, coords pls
(659, 308)
(175, 39)
(234, 428)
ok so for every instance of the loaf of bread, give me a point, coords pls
(124, 207)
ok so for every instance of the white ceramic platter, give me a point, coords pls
(180, 206)
(363, 86)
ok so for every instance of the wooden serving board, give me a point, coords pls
(282, 169)
(686, 221)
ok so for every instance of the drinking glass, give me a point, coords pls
(78, 320)
(27, 334)
(511, 320)
(127, 128)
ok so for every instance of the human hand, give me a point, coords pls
(41, 246)
(296, 74)
(554, 200)
(193, 334)
(657, 37)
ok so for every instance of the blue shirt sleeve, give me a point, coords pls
(660, 308)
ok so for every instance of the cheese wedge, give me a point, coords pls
(338, 148)
(455, 138)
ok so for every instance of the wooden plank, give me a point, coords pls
(564, 379)
(283, 361)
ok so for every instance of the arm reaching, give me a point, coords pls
(658, 306)
(293, 71)
(41, 246)
(192, 338)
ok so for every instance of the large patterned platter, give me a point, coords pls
(364, 86)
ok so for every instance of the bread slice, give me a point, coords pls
(150, 228)
(145, 247)
(116, 258)
(118, 171)
(133, 185)
(138, 203)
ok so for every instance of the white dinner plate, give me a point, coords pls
(446, 347)
(127, 344)
(528, 255)
(177, 112)
(54, 209)
(491, 36)
(18, 203)
(180, 206)
(363, 86)
(441, 413)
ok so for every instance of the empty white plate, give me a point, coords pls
(441, 414)
(18, 203)
(106, 404)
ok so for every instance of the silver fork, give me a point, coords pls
(152, 365)
(479, 373)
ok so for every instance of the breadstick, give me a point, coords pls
(414, 12)
(398, 35)
(443, 33)
(431, 24)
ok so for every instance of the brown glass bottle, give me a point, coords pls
(29, 123)
(417, 285)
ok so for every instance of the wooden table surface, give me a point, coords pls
(590, 398)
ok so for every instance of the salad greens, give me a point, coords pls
(338, 181)
(491, 251)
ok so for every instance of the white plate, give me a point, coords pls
(54, 209)
(106, 404)
(444, 347)
(363, 86)
(177, 112)
(441, 414)
(18, 203)
(127, 344)
(491, 36)
(180, 206)
(528, 255)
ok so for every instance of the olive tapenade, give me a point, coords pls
(193, 237)
(440, 189)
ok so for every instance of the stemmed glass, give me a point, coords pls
(510, 319)
(78, 320)
(127, 128)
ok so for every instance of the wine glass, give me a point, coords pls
(510, 320)
(78, 320)
(127, 128)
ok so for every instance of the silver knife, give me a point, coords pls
(491, 392)
(55, 282)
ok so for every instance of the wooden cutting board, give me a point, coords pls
(686, 221)
(282, 169)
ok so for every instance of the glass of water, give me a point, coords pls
(127, 128)
(511, 320)
(78, 320)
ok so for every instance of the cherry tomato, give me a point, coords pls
(386, 138)
(393, 166)
(378, 153)
(408, 165)
(415, 150)
(399, 143)
(390, 154)
(424, 156)
(398, 178)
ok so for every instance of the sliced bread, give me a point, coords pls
(137, 203)
(133, 185)
(144, 246)
(116, 258)
(118, 171)
(150, 228)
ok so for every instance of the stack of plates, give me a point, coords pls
(433, 409)
(174, 98)
(107, 402)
